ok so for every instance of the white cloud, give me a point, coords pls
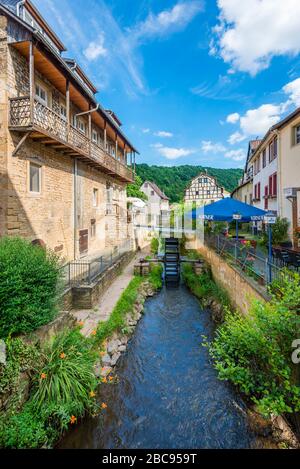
(236, 155)
(96, 49)
(167, 21)
(292, 89)
(237, 137)
(145, 131)
(163, 134)
(208, 146)
(233, 118)
(172, 153)
(258, 121)
(250, 33)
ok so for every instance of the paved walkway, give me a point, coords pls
(108, 301)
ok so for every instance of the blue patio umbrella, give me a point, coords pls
(227, 210)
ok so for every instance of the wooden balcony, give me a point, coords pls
(46, 126)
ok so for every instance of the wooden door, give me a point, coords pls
(83, 241)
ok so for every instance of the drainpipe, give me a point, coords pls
(75, 174)
(95, 109)
(19, 5)
(279, 175)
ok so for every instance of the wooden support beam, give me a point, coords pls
(68, 111)
(105, 135)
(116, 138)
(31, 80)
(90, 130)
(20, 144)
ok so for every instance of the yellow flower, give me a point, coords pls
(73, 420)
(43, 376)
(111, 378)
(92, 394)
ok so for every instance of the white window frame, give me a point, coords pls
(80, 125)
(63, 111)
(38, 89)
(95, 136)
(39, 166)
(297, 134)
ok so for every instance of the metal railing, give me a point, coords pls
(47, 120)
(83, 272)
(243, 255)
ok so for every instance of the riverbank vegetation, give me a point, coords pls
(59, 382)
(117, 320)
(46, 387)
(254, 351)
(203, 286)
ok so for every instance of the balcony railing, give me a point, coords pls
(45, 120)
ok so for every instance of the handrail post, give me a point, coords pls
(89, 273)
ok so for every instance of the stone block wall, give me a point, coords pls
(240, 289)
(87, 297)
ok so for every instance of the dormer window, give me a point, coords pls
(41, 94)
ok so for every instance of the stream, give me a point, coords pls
(168, 394)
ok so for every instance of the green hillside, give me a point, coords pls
(174, 180)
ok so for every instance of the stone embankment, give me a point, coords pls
(113, 348)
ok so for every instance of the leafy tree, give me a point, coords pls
(133, 190)
(174, 180)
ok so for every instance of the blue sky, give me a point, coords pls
(191, 80)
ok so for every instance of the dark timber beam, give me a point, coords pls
(21, 143)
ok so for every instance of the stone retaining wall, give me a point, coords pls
(87, 297)
(241, 289)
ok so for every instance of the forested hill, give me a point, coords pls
(174, 180)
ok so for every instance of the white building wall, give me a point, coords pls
(263, 178)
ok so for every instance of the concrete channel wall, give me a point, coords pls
(241, 289)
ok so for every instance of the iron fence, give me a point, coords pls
(244, 255)
(85, 272)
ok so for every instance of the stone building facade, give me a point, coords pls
(63, 158)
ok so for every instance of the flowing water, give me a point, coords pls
(168, 394)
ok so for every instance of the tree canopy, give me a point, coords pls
(174, 180)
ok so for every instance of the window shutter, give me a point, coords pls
(270, 185)
(275, 184)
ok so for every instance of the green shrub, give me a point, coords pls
(155, 277)
(20, 358)
(279, 232)
(203, 286)
(23, 430)
(28, 286)
(254, 353)
(154, 246)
